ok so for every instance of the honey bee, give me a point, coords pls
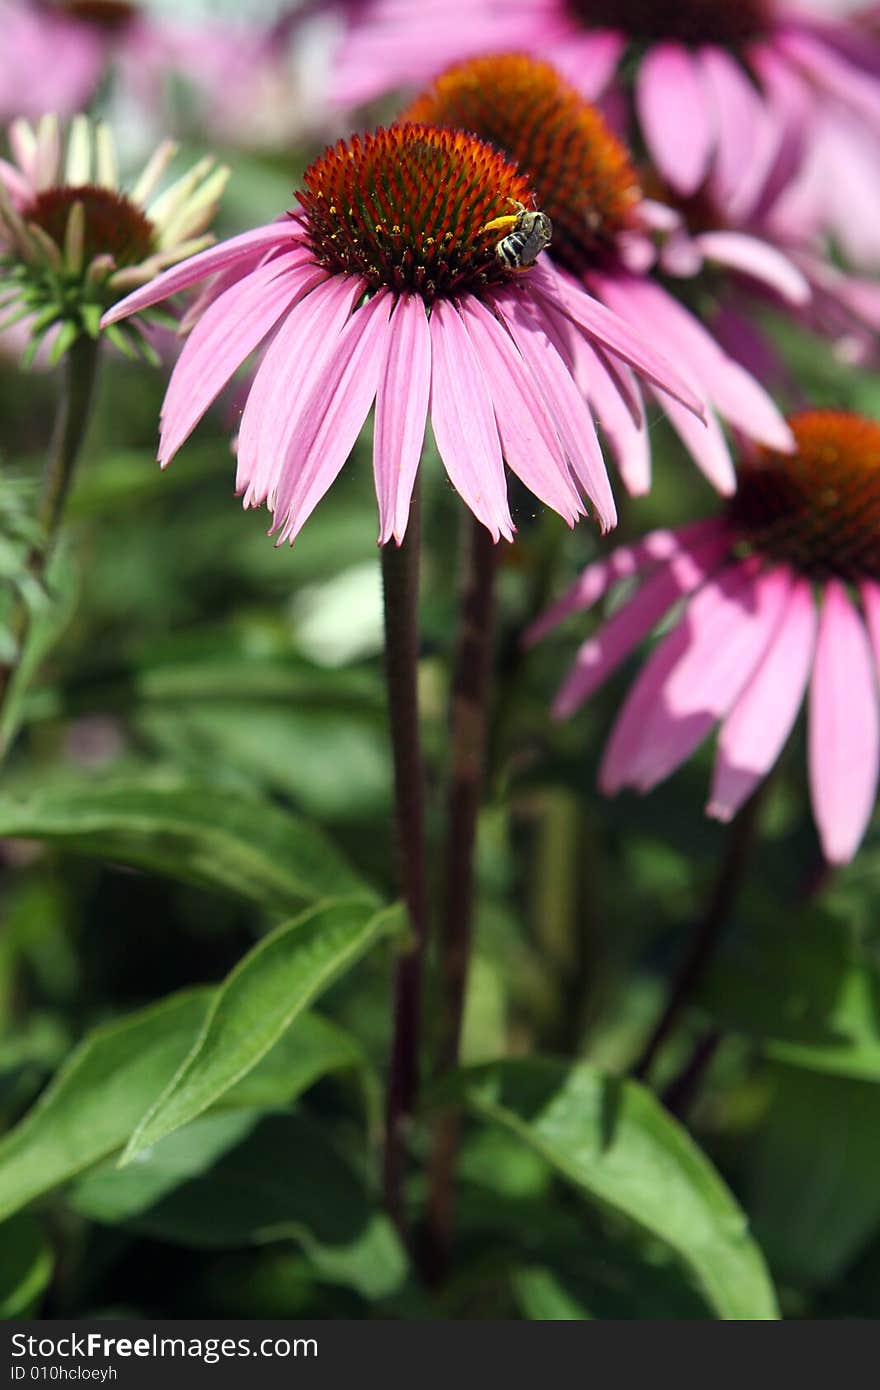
(528, 233)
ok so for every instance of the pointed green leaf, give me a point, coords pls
(97, 1098)
(198, 834)
(617, 1147)
(259, 1001)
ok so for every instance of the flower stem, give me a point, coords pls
(469, 727)
(71, 423)
(705, 940)
(400, 576)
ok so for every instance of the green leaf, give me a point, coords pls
(259, 1000)
(311, 1048)
(806, 990)
(93, 1104)
(46, 622)
(221, 841)
(232, 1180)
(26, 1265)
(813, 1185)
(544, 1298)
(617, 1146)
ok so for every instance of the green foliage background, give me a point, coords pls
(196, 891)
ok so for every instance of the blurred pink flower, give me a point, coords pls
(769, 608)
(704, 81)
(603, 240)
(387, 285)
(48, 61)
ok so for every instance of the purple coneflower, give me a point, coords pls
(702, 78)
(584, 180)
(386, 285)
(780, 594)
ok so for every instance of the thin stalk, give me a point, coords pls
(400, 576)
(469, 729)
(704, 942)
(71, 423)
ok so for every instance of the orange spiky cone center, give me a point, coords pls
(817, 509)
(407, 208)
(581, 173)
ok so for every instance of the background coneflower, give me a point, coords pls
(698, 81)
(782, 591)
(585, 181)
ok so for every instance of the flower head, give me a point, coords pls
(584, 179)
(72, 241)
(394, 280)
(781, 593)
(700, 79)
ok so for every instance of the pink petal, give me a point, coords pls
(333, 415)
(285, 380)
(622, 563)
(738, 111)
(754, 733)
(858, 90)
(401, 414)
(843, 733)
(227, 334)
(627, 435)
(705, 443)
(544, 353)
(602, 654)
(727, 628)
(180, 277)
(675, 115)
(758, 259)
(612, 332)
(588, 60)
(528, 439)
(737, 395)
(464, 423)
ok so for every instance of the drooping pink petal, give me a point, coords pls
(623, 562)
(754, 733)
(401, 414)
(737, 396)
(704, 442)
(738, 120)
(612, 332)
(843, 732)
(728, 625)
(528, 438)
(675, 114)
(221, 341)
(758, 259)
(625, 741)
(333, 416)
(464, 423)
(626, 432)
(544, 354)
(204, 263)
(601, 654)
(284, 380)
